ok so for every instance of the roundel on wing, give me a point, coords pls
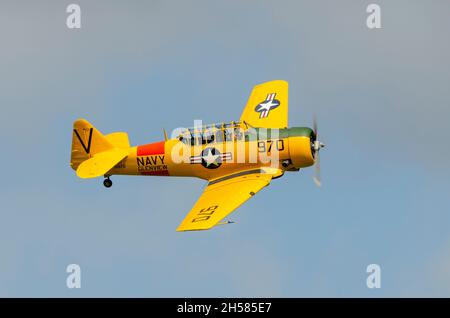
(267, 105)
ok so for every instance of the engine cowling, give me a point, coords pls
(301, 151)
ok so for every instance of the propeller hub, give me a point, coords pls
(318, 145)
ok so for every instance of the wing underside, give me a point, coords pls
(221, 197)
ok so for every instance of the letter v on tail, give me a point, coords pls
(88, 147)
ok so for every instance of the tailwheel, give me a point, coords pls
(107, 182)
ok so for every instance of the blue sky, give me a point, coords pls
(381, 97)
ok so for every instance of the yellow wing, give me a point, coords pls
(267, 106)
(221, 197)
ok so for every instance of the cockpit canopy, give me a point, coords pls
(221, 132)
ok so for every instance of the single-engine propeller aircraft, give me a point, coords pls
(237, 159)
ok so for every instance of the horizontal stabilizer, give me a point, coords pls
(101, 163)
(119, 140)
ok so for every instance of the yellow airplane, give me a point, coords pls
(237, 159)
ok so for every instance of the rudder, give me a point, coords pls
(86, 142)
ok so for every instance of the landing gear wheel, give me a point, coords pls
(107, 182)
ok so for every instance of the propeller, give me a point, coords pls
(317, 145)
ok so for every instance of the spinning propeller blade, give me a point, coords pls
(317, 145)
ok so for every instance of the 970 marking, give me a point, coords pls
(264, 146)
(205, 213)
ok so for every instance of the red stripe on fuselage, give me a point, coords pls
(156, 148)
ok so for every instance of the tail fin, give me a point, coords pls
(94, 154)
(86, 142)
